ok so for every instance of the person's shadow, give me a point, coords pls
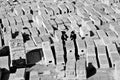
(91, 70)
(4, 51)
(5, 74)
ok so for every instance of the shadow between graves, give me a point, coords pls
(91, 70)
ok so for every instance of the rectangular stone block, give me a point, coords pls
(49, 11)
(106, 41)
(34, 75)
(47, 25)
(37, 41)
(60, 59)
(112, 48)
(70, 46)
(70, 7)
(63, 8)
(95, 20)
(45, 37)
(101, 50)
(103, 61)
(108, 18)
(20, 74)
(98, 42)
(58, 46)
(55, 9)
(4, 62)
(12, 21)
(42, 31)
(53, 23)
(92, 60)
(80, 65)
(70, 73)
(70, 65)
(34, 31)
(24, 18)
(18, 20)
(29, 44)
(101, 33)
(89, 42)
(114, 57)
(90, 51)
(81, 46)
(48, 55)
(5, 22)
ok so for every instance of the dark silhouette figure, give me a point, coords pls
(91, 70)
(14, 35)
(73, 35)
(26, 37)
(64, 36)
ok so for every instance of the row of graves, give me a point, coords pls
(60, 40)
